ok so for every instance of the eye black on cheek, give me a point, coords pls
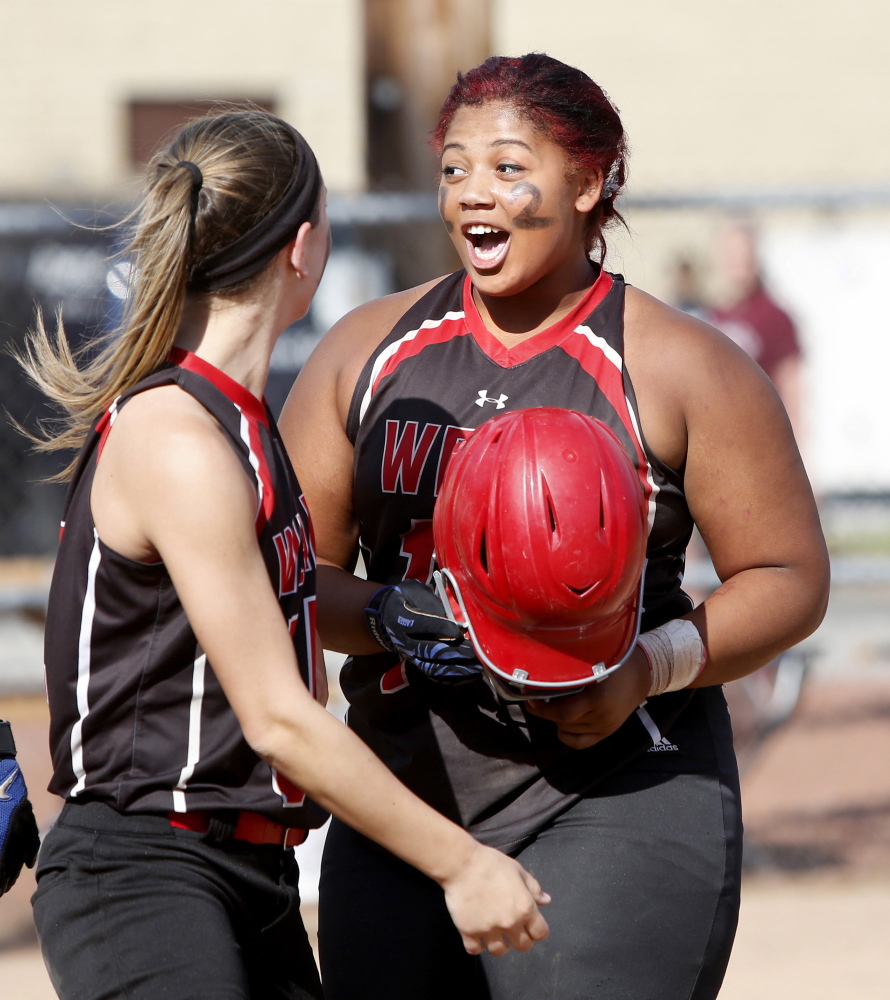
(528, 218)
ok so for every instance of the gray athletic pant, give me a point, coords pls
(644, 873)
(128, 907)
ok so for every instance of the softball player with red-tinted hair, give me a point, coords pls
(188, 732)
(622, 797)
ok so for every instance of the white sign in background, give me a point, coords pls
(834, 279)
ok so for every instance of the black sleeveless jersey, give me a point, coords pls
(438, 375)
(139, 720)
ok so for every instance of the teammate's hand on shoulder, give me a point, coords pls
(494, 902)
(409, 619)
(595, 713)
(19, 839)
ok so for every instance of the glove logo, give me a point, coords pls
(409, 619)
(4, 787)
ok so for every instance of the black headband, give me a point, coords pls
(252, 251)
(197, 184)
(195, 171)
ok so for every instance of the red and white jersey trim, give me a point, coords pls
(388, 359)
(629, 417)
(265, 495)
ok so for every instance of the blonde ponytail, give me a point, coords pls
(247, 160)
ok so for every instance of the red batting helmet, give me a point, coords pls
(540, 535)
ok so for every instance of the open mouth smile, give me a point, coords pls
(486, 245)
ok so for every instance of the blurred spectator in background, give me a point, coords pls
(748, 315)
(687, 294)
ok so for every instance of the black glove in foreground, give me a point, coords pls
(409, 619)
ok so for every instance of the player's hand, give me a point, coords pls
(409, 619)
(494, 902)
(596, 712)
(19, 839)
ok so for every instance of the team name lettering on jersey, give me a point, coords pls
(417, 548)
(288, 544)
(290, 794)
(407, 449)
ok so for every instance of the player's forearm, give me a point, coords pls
(339, 772)
(757, 614)
(342, 599)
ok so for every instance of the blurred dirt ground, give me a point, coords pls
(816, 896)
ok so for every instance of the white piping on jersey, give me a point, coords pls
(112, 410)
(84, 651)
(602, 344)
(653, 730)
(387, 353)
(653, 486)
(193, 754)
(616, 359)
(252, 458)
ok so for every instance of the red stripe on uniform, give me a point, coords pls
(611, 381)
(446, 330)
(251, 408)
(601, 369)
(540, 342)
(102, 429)
(395, 679)
(264, 474)
(228, 386)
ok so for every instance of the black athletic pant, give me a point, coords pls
(128, 907)
(644, 874)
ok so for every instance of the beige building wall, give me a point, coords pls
(727, 96)
(69, 67)
(728, 93)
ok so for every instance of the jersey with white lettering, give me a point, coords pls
(495, 768)
(138, 717)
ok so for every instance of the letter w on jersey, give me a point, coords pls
(404, 455)
(292, 572)
(407, 452)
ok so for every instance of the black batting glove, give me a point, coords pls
(19, 839)
(409, 619)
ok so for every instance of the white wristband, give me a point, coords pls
(676, 655)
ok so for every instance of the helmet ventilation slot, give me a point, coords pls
(483, 552)
(554, 526)
(602, 494)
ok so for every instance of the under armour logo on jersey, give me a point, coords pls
(485, 398)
